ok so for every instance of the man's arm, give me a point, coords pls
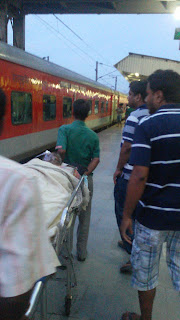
(61, 142)
(135, 190)
(95, 157)
(123, 159)
(93, 164)
(61, 152)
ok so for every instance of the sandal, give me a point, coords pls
(126, 268)
(121, 244)
(130, 316)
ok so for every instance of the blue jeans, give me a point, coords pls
(119, 197)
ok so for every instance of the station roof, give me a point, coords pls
(139, 67)
(89, 6)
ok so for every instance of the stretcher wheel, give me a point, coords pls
(68, 305)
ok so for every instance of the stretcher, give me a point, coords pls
(61, 244)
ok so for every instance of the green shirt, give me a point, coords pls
(128, 111)
(80, 142)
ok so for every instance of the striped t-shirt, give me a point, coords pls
(128, 133)
(157, 146)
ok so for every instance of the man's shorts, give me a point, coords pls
(145, 257)
(119, 118)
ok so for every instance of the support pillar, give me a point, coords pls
(19, 31)
(3, 26)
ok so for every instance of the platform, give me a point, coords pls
(103, 293)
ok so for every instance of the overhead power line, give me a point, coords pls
(68, 27)
(106, 74)
(51, 27)
(80, 38)
(105, 65)
(75, 33)
(107, 83)
(57, 33)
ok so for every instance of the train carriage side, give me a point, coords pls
(38, 103)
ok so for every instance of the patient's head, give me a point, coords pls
(53, 158)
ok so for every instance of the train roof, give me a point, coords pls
(16, 55)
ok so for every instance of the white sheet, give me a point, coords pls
(56, 185)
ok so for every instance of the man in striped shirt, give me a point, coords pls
(154, 187)
(137, 94)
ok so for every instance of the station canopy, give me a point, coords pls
(91, 6)
(139, 67)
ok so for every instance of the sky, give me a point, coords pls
(103, 38)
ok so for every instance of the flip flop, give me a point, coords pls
(121, 244)
(126, 268)
(130, 316)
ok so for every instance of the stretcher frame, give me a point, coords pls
(39, 293)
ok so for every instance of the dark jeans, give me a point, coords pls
(119, 197)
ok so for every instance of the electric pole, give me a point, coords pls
(96, 70)
(116, 83)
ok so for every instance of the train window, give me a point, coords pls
(106, 106)
(21, 107)
(90, 103)
(67, 107)
(49, 107)
(96, 107)
(102, 107)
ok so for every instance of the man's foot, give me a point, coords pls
(121, 244)
(126, 268)
(81, 259)
(62, 267)
(130, 316)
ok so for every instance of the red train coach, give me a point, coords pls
(40, 95)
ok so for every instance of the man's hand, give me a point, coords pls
(61, 152)
(117, 173)
(76, 174)
(126, 224)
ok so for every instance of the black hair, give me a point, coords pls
(81, 109)
(139, 87)
(121, 104)
(2, 103)
(167, 81)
